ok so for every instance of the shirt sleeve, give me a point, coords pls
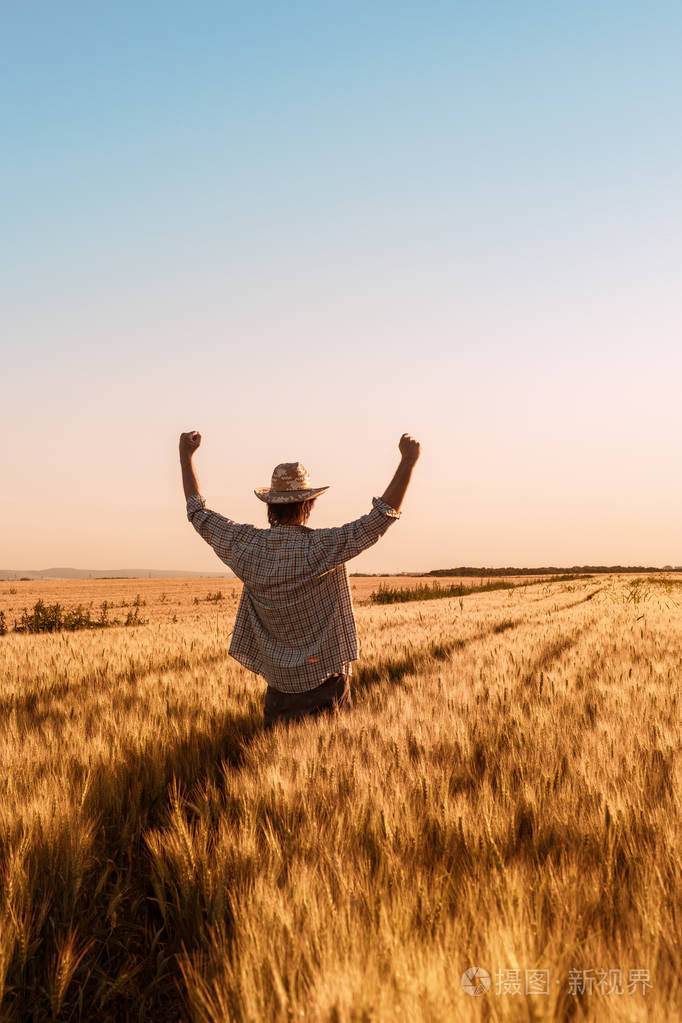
(333, 547)
(220, 533)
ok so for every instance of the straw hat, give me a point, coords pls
(290, 482)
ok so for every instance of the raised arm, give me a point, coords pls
(221, 533)
(332, 547)
(394, 493)
(189, 442)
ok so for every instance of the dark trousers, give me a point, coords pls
(333, 693)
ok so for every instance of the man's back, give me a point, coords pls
(295, 623)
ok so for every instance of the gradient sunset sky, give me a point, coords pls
(304, 228)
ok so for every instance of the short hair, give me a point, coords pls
(295, 513)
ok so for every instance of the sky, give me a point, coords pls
(304, 229)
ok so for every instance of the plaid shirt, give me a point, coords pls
(295, 623)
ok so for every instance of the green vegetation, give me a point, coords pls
(54, 618)
(401, 594)
(670, 585)
(641, 590)
(138, 602)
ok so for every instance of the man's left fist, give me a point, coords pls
(189, 442)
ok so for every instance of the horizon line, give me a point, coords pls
(26, 574)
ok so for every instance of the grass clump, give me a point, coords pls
(55, 618)
(402, 594)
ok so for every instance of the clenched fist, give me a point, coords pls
(409, 448)
(189, 442)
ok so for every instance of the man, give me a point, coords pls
(295, 623)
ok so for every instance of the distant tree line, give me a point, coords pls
(491, 573)
(573, 570)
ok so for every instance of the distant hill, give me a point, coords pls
(14, 574)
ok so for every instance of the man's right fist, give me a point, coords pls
(409, 448)
(189, 442)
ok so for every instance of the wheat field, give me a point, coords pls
(504, 797)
